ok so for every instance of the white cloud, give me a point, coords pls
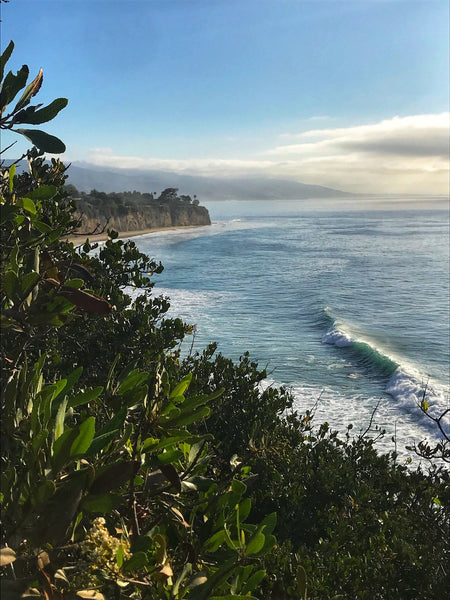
(398, 155)
(421, 135)
(215, 167)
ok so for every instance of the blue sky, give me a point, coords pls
(351, 94)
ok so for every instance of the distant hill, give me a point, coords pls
(86, 178)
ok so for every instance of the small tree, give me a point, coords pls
(168, 195)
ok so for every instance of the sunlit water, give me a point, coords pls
(347, 307)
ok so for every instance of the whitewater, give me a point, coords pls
(345, 302)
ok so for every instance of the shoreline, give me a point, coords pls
(102, 237)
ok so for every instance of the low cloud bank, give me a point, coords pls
(398, 155)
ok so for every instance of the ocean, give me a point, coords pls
(344, 301)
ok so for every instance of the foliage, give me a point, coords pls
(100, 206)
(23, 112)
(128, 472)
(104, 485)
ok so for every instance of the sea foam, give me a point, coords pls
(411, 390)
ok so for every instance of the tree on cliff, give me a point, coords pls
(168, 195)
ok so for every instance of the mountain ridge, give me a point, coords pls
(87, 177)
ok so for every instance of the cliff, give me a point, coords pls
(132, 211)
(148, 217)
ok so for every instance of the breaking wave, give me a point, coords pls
(405, 384)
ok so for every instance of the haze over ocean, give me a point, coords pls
(347, 307)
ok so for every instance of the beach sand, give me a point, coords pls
(102, 237)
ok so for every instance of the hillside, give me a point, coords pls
(87, 177)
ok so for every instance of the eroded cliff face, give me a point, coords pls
(149, 217)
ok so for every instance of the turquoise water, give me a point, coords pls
(347, 307)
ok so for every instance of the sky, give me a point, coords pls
(348, 94)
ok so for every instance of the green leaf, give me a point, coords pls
(8, 212)
(27, 204)
(244, 509)
(213, 543)
(133, 380)
(269, 523)
(100, 503)
(188, 418)
(74, 283)
(119, 556)
(181, 387)
(57, 387)
(10, 284)
(84, 438)
(85, 397)
(36, 117)
(301, 582)
(59, 421)
(171, 441)
(192, 403)
(43, 192)
(229, 542)
(99, 442)
(255, 544)
(31, 90)
(5, 57)
(11, 85)
(239, 488)
(144, 543)
(136, 562)
(170, 456)
(148, 444)
(28, 281)
(114, 476)
(170, 473)
(73, 378)
(253, 582)
(61, 449)
(107, 433)
(202, 591)
(268, 545)
(12, 172)
(43, 141)
(42, 227)
(187, 570)
(44, 492)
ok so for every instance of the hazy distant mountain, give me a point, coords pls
(86, 177)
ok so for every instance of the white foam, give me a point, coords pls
(409, 392)
(338, 338)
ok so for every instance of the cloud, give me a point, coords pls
(398, 155)
(421, 135)
(215, 167)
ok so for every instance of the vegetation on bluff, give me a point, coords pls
(129, 472)
(134, 211)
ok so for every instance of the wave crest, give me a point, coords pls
(405, 385)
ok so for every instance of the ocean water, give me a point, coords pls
(346, 302)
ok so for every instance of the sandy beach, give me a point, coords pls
(102, 237)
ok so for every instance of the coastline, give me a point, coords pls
(102, 237)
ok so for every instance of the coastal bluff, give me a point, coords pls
(135, 211)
